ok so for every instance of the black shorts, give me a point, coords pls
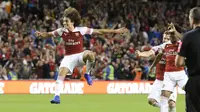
(192, 89)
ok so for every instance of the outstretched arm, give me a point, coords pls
(43, 35)
(156, 60)
(117, 31)
(145, 54)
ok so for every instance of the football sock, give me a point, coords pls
(89, 65)
(156, 104)
(172, 109)
(164, 106)
(59, 85)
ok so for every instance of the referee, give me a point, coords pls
(189, 55)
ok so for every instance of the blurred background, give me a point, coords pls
(23, 56)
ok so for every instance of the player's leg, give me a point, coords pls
(154, 95)
(66, 67)
(63, 71)
(153, 102)
(172, 101)
(164, 106)
(172, 106)
(89, 59)
(182, 79)
(167, 90)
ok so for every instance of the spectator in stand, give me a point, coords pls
(108, 72)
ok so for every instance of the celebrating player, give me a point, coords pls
(75, 55)
(173, 75)
(154, 95)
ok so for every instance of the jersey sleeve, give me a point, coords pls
(57, 32)
(156, 48)
(85, 30)
(161, 47)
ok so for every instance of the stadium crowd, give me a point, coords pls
(23, 56)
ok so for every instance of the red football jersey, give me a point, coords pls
(160, 67)
(170, 51)
(73, 40)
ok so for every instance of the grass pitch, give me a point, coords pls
(81, 103)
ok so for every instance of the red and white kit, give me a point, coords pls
(158, 83)
(73, 45)
(173, 75)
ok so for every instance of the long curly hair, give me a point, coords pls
(73, 15)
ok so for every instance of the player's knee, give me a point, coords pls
(172, 104)
(87, 54)
(166, 93)
(151, 101)
(63, 71)
(90, 55)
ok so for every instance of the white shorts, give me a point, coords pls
(171, 79)
(156, 91)
(72, 61)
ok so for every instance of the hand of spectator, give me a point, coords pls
(121, 30)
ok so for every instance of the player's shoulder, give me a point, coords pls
(169, 42)
(62, 29)
(80, 28)
(165, 43)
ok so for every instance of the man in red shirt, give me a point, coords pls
(154, 95)
(173, 75)
(73, 40)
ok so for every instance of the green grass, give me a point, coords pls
(81, 103)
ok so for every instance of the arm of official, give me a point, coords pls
(182, 51)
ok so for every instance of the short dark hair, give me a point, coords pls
(195, 14)
(73, 15)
